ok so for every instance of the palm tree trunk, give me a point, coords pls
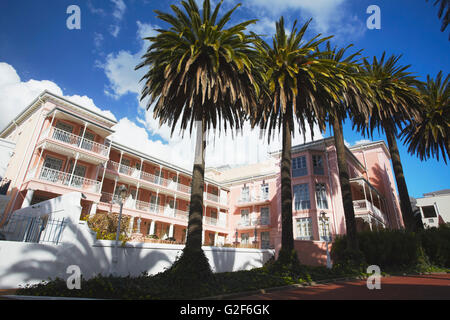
(287, 234)
(405, 202)
(195, 222)
(344, 181)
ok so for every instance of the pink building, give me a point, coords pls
(62, 147)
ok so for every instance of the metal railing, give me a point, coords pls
(366, 205)
(251, 199)
(213, 221)
(33, 229)
(253, 222)
(79, 142)
(69, 180)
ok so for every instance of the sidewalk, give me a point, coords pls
(417, 287)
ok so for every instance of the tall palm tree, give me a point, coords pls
(395, 101)
(199, 75)
(298, 85)
(429, 134)
(443, 13)
(354, 98)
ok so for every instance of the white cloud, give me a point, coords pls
(16, 95)
(119, 67)
(118, 13)
(363, 141)
(330, 17)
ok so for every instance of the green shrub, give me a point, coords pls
(398, 249)
(436, 244)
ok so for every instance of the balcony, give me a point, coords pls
(249, 223)
(365, 206)
(75, 141)
(158, 181)
(255, 200)
(68, 180)
(144, 206)
(210, 221)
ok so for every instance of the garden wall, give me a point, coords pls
(24, 263)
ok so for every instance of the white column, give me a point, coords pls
(84, 132)
(73, 169)
(28, 197)
(216, 238)
(152, 228)
(51, 123)
(131, 225)
(171, 231)
(39, 161)
(93, 209)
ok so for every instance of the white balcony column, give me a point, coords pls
(206, 191)
(152, 228)
(364, 189)
(51, 123)
(103, 175)
(93, 210)
(203, 237)
(141, 168)
(114, 190)
(120, 161)
(216, 239)
(171, 228)
(131, 225)
(84, 132)
(39, 160)
(28, 197)
(137, 195)
(138, 227)
(73, 169)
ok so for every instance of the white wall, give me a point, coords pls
(27, 263)
(6, 151)
(442, 204)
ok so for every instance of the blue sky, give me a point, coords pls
(94, 65)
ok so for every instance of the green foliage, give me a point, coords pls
(106, 225)
(398, 249)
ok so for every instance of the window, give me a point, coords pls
(304, 229)
(321, 196)
(245, 194)
(265, 240)
(245, 217)
(245, 238)
(301, 197)
(317, 164)
(265, 191)
(64, 126)
(265, 217)
(299, 167)
(429, 212)
(324, 231)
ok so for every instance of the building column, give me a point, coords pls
(216, 239)
(73, 169)
(82, 136)
(93, 209)
(28, 197)
(171, 231)
(152, 228)
(131, 225)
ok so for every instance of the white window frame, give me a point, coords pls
(302, 199)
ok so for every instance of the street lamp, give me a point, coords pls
(122, 196)
(324, 219)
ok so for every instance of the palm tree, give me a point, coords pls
(354, 95)
(199, 75)
(443, 13)
(429, 135)
(395, 100)
(298, 85)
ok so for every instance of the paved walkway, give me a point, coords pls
(435, 286)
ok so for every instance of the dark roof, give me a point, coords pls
(437, 193)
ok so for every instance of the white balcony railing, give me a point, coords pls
(69, 180)
(210, 221)
(78, 142)
(253, 199)
(244, 223)
(157, 180)
(367, 206)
